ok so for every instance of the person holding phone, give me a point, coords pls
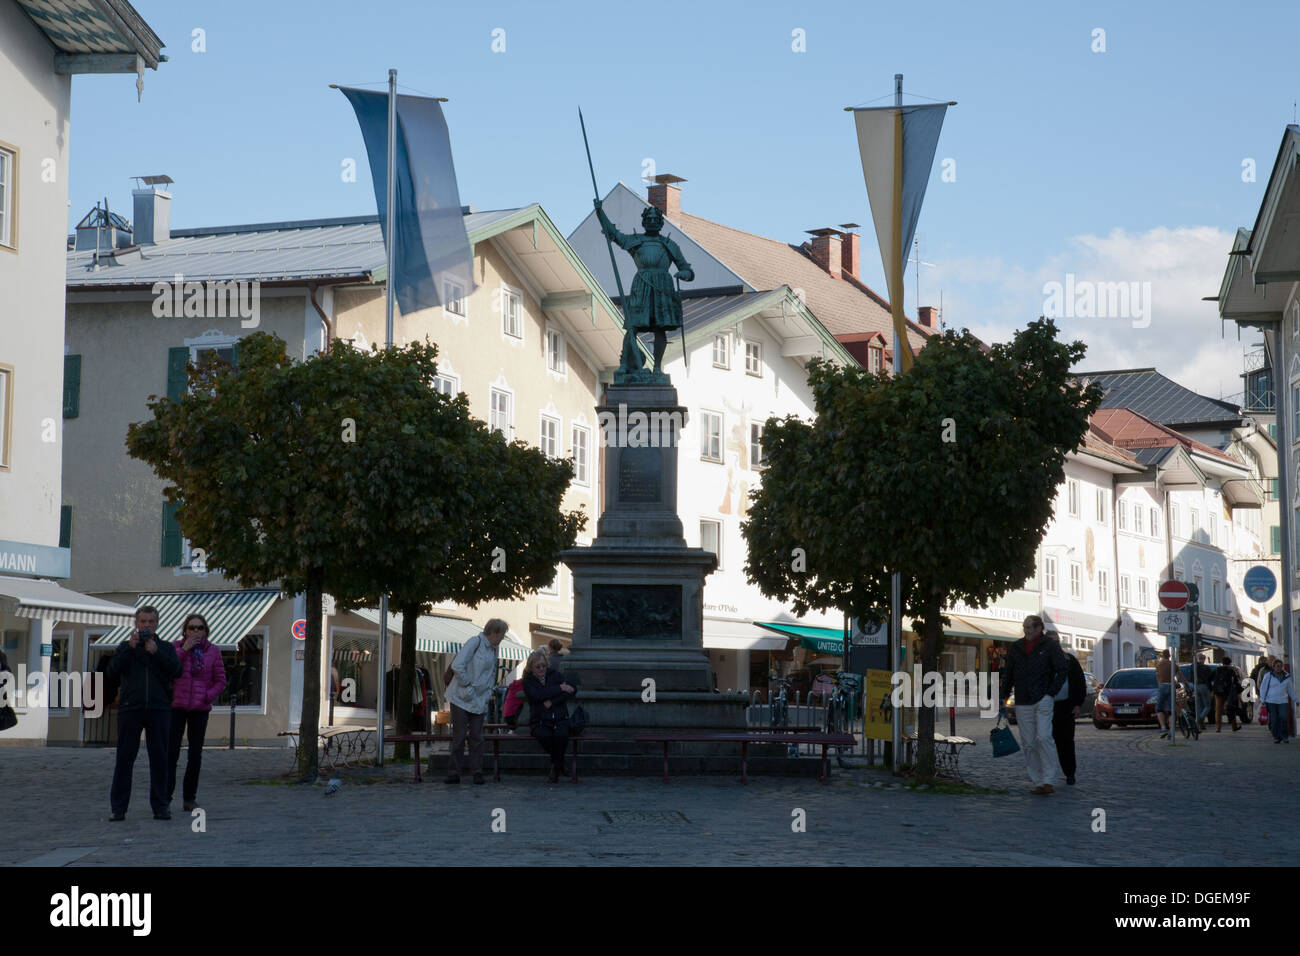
(202, 679)
(146, 667)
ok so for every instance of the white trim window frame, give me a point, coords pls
(1155, 523)
(1049, 574)
(512, 314)
(756, 446)
(1103, 585)
(557, 361)
(1076, 580)
(455, 304)
(6, 416)
(711, 437)
(581, 454)
(722, 350)
(1072, 497)
(1144, 593)
(714, 527)
(447, 384)
(8, 198)
(548, 439)
(501, 411)
(1103, 506)
(754, 359)
(1121, 515)
(1125, 590)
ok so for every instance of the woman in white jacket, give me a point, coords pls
(474, 670)
(1277, 692)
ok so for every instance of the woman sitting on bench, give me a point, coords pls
(548, 713)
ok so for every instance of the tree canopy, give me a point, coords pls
(946, 474)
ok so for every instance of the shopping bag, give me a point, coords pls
(1001, 738)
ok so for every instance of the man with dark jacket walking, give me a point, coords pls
(146, 667)
(1035, 668)
(1065, 710)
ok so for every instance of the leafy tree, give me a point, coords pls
(347, 473)
(946, 474)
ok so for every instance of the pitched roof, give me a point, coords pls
(1124, 428)
(347, 247)
(1099, 444)
(843, 307)
(1160, 399)
(95, 27)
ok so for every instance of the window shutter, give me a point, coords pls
(177, 381)
(1272, 431)
(71, 385)
(234, 355)
(65, 526)
(1277, 538)
(171, 537)
(1274, 482)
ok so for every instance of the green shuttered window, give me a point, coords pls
(71, 386)
(1277, 538)
(65, 526)
(171, 537)
(177, 381)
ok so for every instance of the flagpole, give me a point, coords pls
(389, 297)
(896, 306)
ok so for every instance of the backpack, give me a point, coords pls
(1224, 678)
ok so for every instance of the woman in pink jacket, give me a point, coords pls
(203, 678)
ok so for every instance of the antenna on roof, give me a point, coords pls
(142, 181)
(919, 262)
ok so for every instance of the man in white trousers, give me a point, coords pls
(1036, 669)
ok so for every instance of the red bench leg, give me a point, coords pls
(744, 761)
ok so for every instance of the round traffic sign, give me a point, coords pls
(300, 630)
(1174, 594)
(1260, 583)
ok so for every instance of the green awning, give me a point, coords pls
(823, 640)
(230, 614)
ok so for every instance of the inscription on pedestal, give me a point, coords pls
(640, 473)
(639, 612)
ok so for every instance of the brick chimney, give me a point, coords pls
(926, 315)
(826, 249)
(851, 250)
(666, 196)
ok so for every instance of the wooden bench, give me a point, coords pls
(495, 737)
(745, 739)
(337, 745)
(944, 760)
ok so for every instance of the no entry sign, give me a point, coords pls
(1174, 594)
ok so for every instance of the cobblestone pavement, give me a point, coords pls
(1163, 805)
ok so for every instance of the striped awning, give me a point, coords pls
(230, 614)
(34, 597)
(439, 634)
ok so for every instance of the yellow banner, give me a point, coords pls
(879, 720)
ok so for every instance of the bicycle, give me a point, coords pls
(780, 708)
(839, 708)
(1185, 705)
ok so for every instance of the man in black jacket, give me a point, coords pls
(1065, 710)
(1036, 669)
(146, 666)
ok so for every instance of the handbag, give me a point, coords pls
(577, 721)
(1001, 738)
(8, 718)
(449, 674)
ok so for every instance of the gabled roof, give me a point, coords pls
(1160, 399)
(1099, 445)
(83, 29)
(844, 307)
(1129, 430)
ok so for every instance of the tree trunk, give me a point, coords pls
(925, 714)
(309, 725)
(406, 679)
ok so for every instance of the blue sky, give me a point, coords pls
(1122, 165)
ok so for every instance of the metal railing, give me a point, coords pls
(805, 712)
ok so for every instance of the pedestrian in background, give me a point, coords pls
(201, 681)
(146, 667)
(1201, 678)
(473, 673)
(1065, 710)
(1277, 692)
(1164, 690)
(1264, 666)
(555, 650)
(548, 711)
(1036, 669)
(514, 702)
(1227, 691)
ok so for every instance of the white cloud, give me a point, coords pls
(1177, 265)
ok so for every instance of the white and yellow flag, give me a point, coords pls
(897, 145)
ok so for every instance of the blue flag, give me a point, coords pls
(432, 261)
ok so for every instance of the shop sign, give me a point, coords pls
(19, 557)
(879, 710)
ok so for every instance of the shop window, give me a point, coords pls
(357, 659)
(245, 672)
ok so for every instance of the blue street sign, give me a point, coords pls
(1260, 583)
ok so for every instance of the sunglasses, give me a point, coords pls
(195, 627)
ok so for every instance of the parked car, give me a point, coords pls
(1085, 709)
(1247, 706)
(1128, 698)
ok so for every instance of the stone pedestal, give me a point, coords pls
(638, 618)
